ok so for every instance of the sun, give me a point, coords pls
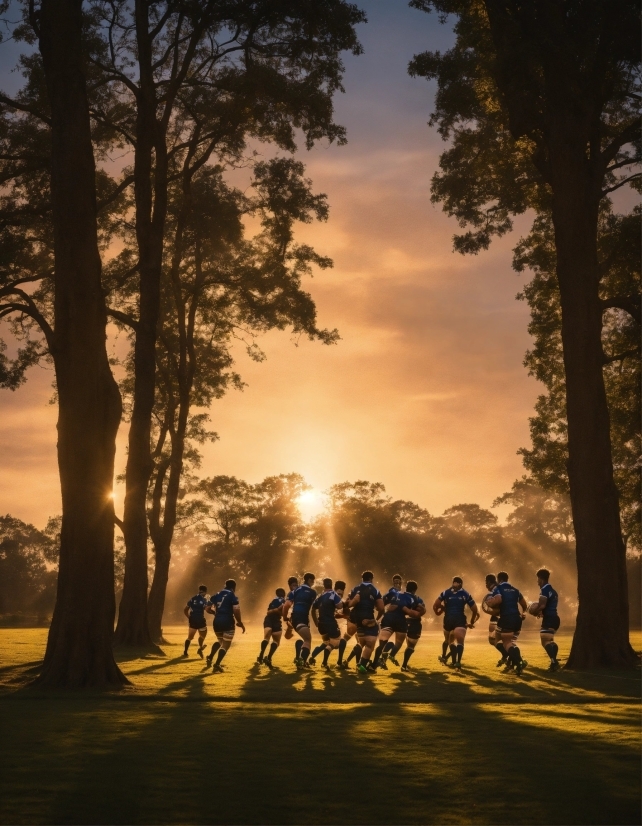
(311, 502)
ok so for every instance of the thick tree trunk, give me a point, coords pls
(151, 208)
(79, 647)
(157, 592)
(602, 636)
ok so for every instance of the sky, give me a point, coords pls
(426, 391)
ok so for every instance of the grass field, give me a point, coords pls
(252, 746)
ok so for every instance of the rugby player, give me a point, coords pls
(195, 613)
(227, 615)
(365, 599)
(272, 627)
(493, 635)
(300, 601)
(392, 622)
(417, 609)
(324, 610)
(452, 603)
(548, 600)
(509, 623)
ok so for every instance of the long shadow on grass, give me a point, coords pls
(235, 764)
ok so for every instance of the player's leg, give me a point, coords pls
(351, 632)
(276, 641)
(306, 642)
(499, 645)
(267, 633)
(202, 633)
(411, 644)
(384, 636)
(190, 636)
(392, 649)
(333, 643)
(459, 635)
(226, 640)
(444, 647)
(513, 654)
(368, 642)
(547, 637)
(318, 649)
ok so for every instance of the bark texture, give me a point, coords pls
(79, 648)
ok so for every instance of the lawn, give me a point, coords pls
(252, 746)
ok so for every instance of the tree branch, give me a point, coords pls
(23, 107)
(620, 356)
(125, 319)
(631, 304)
(122, 186)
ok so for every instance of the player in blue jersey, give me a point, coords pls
(392, 622)
(324, 610)
(195, 613)
(351, 630)
(509, 623)
(547, 606)
(365, 599)
(227, 616)
(452, 603)
(272, 628)
(493, 634)
(414, 613)
(300, 601)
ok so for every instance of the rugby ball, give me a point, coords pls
(486, 607)
(533, 608)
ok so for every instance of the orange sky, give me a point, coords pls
(426, 391)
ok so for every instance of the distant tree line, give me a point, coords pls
(255, 533)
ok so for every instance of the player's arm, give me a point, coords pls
(494, 601)
(475, 614)
(236, 610)
(355, 599)
(315, 616)
(438, 606)
(286, 608)
(380, 607)
(523, 603)
(541, 604)
(187, 611)
(411, 612)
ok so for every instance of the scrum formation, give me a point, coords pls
(380, 625)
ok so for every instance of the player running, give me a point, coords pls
(227, 616)
(414, 613)
(300, 601)
(272, 628)
(509, 622)
(392, 622)
(365, 599)
(195, 613)
(324, 610)
(548, 600)
(493, 635)
(452, 603)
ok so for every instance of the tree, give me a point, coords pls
(208, 75)
(540, 101)
(78, 650)
(618, 244)
(220, 285)
(28, 562)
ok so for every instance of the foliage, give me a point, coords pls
(28, 561)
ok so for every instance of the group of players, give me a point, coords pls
(381, 624)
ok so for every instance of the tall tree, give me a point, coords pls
(540, 101)
(79, 651)
(208, 75)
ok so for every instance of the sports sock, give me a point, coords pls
(356, 652)
(326, 654)
(187, 645)
(407, 654)
(264, 645)
(364, 661)
(501, 648)
(221, 653)
(318, 650)
(342, 648)
(395, 650)
(389, 646)
(297, 648)
(453, 652)
(444, 649)
(460, 651)
(378, 653)
(305, 653)
(273, 647)
(551, 649)
(215, 648)
(515, 655)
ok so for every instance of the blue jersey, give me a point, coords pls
(401, 600)
(277, 602)
(509, 606)
(368, 595)
(197, 606)
(415, 602)
(550, 609)
(302, 599)
(455, 601)
(326, 604)
(389, 596)
(224, 602)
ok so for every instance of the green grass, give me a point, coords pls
(188, 746)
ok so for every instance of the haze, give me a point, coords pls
(425, 392)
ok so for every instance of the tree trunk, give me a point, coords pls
(156, 605)
(601, 637)
(151, 208)
(79, 647)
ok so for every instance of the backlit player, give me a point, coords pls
(272, 628)
(452, 603)
(509, 623)
(227, 616)
(195, 613)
